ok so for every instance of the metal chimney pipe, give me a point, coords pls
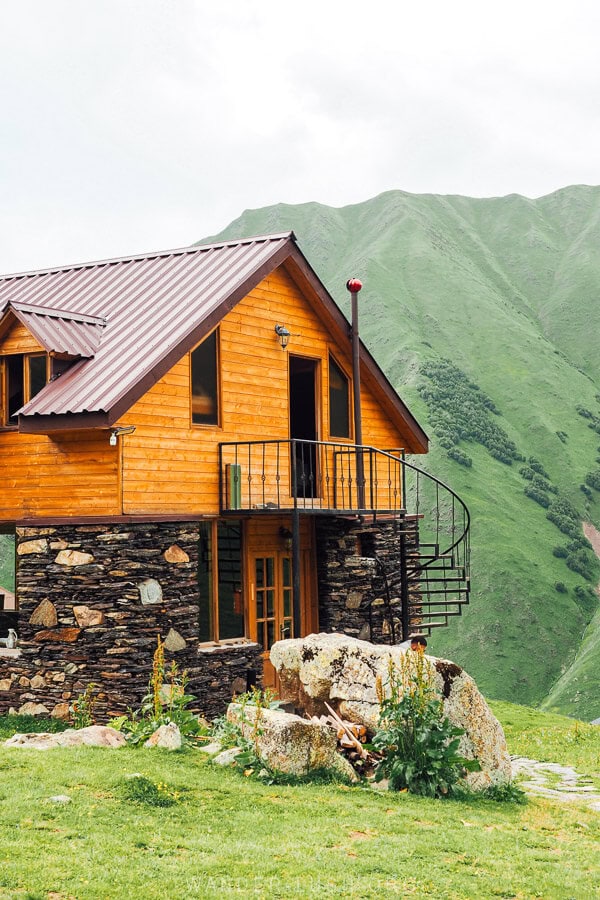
(354, 286)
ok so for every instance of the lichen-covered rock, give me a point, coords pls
(166, 737)
(343, 672)
(44, 614)
(174, 642)
(87, 617)
(92, 736)
(33, 709)
(175, 554)
(73, 558)
(289, 744)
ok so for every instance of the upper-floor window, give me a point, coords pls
(339, 401)
(205, 381)
(23, 376)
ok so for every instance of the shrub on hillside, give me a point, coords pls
(593, 479)
(460, 411)
(536, 465)
(537, 495)
(581, 562)
(458, 456)
(561, 587)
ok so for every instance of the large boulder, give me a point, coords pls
(344, 672)
(289, 744)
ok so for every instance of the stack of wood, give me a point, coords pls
(351, 740)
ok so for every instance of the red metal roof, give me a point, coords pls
(131, 319)
(60, 332)
(151, 306)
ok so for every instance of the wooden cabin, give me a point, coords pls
(178, 458)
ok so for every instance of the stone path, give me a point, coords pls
(557, 782)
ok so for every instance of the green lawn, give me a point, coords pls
(229, 836)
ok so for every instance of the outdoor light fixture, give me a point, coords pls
(283, 335)
(119, 429)
(286, 536)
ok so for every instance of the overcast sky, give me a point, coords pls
(133, 125)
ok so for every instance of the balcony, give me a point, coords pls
(309, 476)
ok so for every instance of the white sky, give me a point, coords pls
(132, 125)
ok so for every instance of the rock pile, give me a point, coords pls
(341, 671)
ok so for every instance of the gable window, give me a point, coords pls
(23, 376)
(205, 381)
(339, 401)
(220, 581)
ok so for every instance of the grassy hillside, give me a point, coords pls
(7, 562)
(507, 290)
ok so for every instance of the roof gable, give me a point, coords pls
(139, 315)
(59, 332)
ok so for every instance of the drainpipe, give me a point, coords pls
(354, 286)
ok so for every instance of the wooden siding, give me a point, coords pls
(19, 340)
(68, 475)
(170, 466)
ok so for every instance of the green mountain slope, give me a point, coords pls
(507, 290)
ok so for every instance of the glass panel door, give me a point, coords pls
(273, 611)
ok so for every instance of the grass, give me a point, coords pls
(549, 737)
(224, 835)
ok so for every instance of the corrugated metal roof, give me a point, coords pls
(151, 305)
(61, 332)
(140, 314)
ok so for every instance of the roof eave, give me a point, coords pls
(47, 424)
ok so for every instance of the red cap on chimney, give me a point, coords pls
(354, 285)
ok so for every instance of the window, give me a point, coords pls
(24, 376)
(205, 382)
(220, 581)
(339, 401)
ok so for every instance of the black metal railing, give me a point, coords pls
(323, 477)
(312, 475)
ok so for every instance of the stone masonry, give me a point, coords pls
(353, 595)
(92, 600)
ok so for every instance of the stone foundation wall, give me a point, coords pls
(352, 589)
(92, 600)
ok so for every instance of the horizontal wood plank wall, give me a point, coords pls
(170, 466)
(19, 340)
(72, 474)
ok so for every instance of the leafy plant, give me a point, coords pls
(507, 792)
(142, 790)
(165, 701)
(420, 745)
(82, 708)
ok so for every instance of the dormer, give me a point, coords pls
(37, 345)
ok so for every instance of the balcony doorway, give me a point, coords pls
(304, 423)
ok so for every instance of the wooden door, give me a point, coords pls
(272, 612)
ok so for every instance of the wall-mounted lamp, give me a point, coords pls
(283, 335)
(119, 429)
(286, 537)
